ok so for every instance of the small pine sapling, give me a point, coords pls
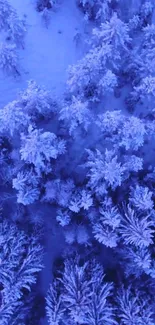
(63, 217)
(9, 59)
(80, 199)
(75, 202)
(134, 23)
(59, 191)
(141, 198)
(16, 30)
(27, 185)
(105, 229)
(46, 17)
(5, 11)
(86, 200)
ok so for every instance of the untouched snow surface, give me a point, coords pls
(48, 51)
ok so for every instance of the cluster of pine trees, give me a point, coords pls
(90, 162)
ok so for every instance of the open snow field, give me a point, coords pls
(48, 51)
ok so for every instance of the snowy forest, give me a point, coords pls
(77, 162)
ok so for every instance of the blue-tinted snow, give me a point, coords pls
(48, 52)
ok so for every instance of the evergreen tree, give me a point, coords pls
(37, 101)
(100, 311)
(76, 114)
(38, 148)
(16, 29)
(105, 228)
(27, 185)
(141, 198)
(136, 229)
(132, 309)
(21, 260)
(5, 11)
(54, 305)
(76, 294)
(9, 59)
(13, 119)
(115, 33)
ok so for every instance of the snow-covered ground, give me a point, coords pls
(48, 51)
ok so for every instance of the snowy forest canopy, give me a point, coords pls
(77, 167)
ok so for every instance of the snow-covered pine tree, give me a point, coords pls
(16, 29)
(5, 11)
(9, 59)
(75, 202)
(132, 309)
(109, 123)
(115, 33)
(97, 10)
(107, 83)
(27, 185)
(21, 260)
(135, 261)
(38, 148)
(37, 101)
(13, 119)
(46, 17)
(105, 228)
(76, 114)
(76, 295)
(136, 229)
(54, 305)
(128, 132)
(86, 199)
(63, 217)
(89, 78)
(147, 53)
(141, 198)
(59, 191)
(104, 170)
(145, 91)
(146, 12)
(100, 311)
(132, 134)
